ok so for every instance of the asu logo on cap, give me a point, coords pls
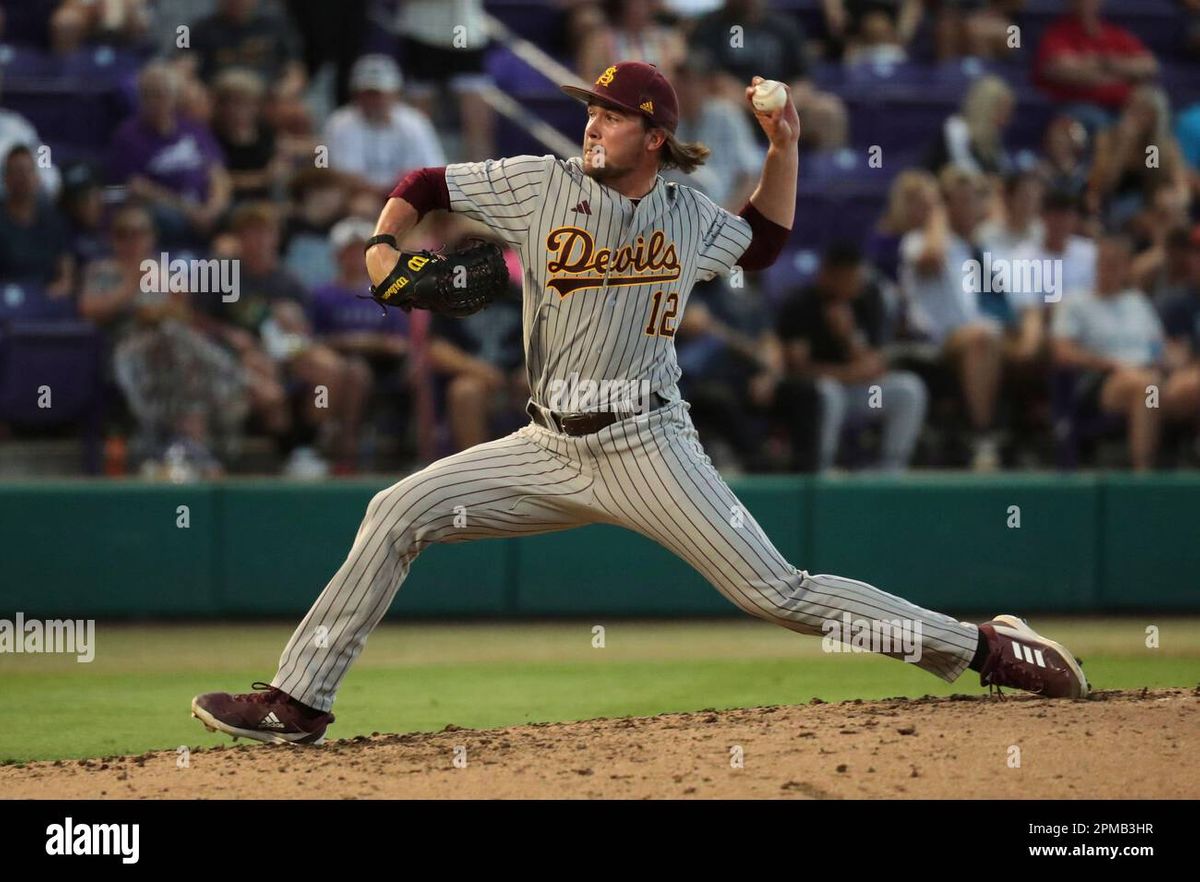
(634, 87)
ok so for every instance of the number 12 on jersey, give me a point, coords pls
(665, 327)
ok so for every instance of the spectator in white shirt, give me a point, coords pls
(1113, 338)
(948, 311)
(1072, 260)
(1021, 225)
(376, 138)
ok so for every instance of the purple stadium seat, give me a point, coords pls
(849, 170)
(899, 124)
(565, 114)
(100, 65)
(1072, 429)
(66, 358)
(511, 74)
(870, 76)
(1181, 81)
(512, 140)
(1029, 124)
(535, 20)
(78, 112)
(795, 267)
(22, 61)
(856, 214)
(27, 22)
(810, 229)
(808, 13)
(27, 301)
(827, 75)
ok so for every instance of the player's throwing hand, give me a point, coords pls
(783, 125)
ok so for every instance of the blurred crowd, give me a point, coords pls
(1011, 305)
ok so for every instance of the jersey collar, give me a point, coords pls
(648, 208)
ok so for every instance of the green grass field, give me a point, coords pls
(421, 676)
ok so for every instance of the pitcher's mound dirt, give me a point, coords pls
(1113, 745)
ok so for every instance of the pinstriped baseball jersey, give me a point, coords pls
(606, 279)
(605, 284)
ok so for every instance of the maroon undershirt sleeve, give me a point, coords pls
(424, 189)
(766, 242)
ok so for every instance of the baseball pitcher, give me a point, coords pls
(610, 253)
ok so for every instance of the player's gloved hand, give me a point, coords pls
(456, 284)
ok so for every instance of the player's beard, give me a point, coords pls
(605, 172)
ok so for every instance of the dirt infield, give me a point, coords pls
(1113, 745)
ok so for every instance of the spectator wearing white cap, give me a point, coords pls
(376, 139)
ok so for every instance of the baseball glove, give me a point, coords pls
(456, 284)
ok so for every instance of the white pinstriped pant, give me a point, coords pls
(647, 473)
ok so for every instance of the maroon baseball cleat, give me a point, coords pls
(1021, 658)
(266, 715)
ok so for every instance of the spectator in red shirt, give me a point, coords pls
(1087, 61)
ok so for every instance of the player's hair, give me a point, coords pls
(687, 156)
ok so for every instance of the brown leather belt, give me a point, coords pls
(583, 423)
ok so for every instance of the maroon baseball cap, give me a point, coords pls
(636, 87)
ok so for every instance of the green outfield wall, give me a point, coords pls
(266, 548)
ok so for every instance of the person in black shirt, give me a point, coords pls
(254, 35)
(832, 331)
(247, 142)
(241, 34)
(34, 243)
(750, 414)
(768, 43)
(81, 204)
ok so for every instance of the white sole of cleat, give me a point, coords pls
(1020, 626)
(212, 724)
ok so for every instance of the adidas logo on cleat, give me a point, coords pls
(1032, 656)
(270, 721)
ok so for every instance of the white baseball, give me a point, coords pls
(769, 96)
